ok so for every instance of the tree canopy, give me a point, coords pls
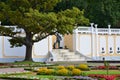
(38, 20)
(101, 12)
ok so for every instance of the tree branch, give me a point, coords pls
(40, 37)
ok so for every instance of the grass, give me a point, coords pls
(14, 74)
(111, 72)
(26, 62)
(25, 76)
(31, 75)
(23, 63)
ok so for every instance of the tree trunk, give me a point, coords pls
(28, 56)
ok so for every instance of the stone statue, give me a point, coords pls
(58, 39)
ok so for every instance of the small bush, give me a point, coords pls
(62, 72)
(83, 67)
(42, 71)
(49, 71)
(60, 67)
(76, 72)
(45, 71)
(71, 67)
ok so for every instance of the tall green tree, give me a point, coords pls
(37, 20)
(101, 12)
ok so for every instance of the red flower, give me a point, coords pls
(104, 67)
(107, 77)
(101, 67)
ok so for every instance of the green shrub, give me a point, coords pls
(76, 72)
(42, 71)
(45, 71)
(71, 67)
(60, 67)
(83, 67)
(63, 72)
(49, 71)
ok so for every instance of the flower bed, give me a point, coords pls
(106, 77)
(70, 70)
(104, 67)
(78, 72)
(83, 78)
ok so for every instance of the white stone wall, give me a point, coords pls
(40, 50)
(117, 43)
(85, 44)
(102, 44)
(8, 51)
(0, 46)
(97, 42)
(110, 44)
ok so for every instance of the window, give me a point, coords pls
(118, 50)
(111, 50)
(103, 50)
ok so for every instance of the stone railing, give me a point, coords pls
(96, 30)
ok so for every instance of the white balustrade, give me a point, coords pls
(99, 30)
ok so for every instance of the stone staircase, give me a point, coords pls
(66, 55)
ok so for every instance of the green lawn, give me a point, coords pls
(32, 75)
(28, 76)
(26, 62)
(111, 72)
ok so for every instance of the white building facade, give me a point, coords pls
(97, 43)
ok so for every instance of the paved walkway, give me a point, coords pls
(11, 70)
(80, 62)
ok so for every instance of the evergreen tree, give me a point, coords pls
(101, 12)
(37, 20)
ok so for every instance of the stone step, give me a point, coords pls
(60, 50)
(76, 59)
(60, 59)
(69, 56)
(73, 57)
(69, 53)
(66, 55)
(67, 62)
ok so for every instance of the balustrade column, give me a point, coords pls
(109, 30)
(75, 40)
(50, 43)
(96, 31)
(92, 40)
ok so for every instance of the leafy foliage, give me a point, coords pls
(36, 20)
(63, 72)
(102, 12)
(83, 67)
(76, 72)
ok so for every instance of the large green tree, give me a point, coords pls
(102, 12)
(37, 20)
